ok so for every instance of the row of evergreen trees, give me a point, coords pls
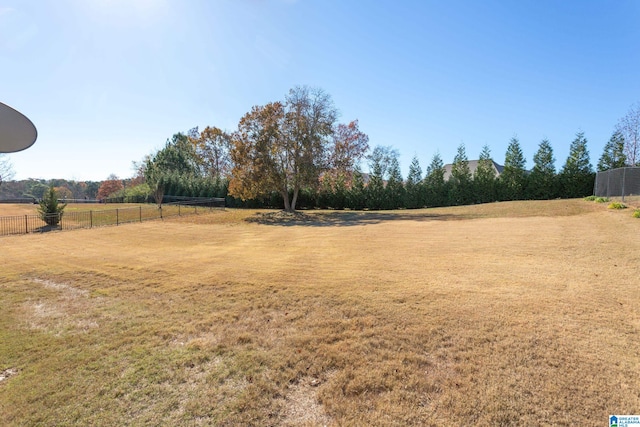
(193, 185)
(174, 184)
(385, 188)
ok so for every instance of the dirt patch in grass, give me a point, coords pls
(8, 373)
(66, 309)
(302, 406)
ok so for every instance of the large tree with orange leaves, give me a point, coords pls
(283, 147)
(112, 185)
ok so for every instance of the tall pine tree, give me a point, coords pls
(356, 195)
(577, 176)
(379, 166)
(484, 179)
(395, 192)
(513, 178)
(613, 156)
(375, 189)
(461, 191)
(434, 186)
(543, 183)
(414, 185)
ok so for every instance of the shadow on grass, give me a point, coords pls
(346, 218)
(47, 228)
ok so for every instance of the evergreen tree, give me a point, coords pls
(340, 192)
(461, 191)
(543, 180)
(414, 185)
(613, 156)
(395, 191)
(375, 187)
(577, 175)
(434, 186)
(513, 178)
(356, 196)
(163, 169)
(50, 211)
(178, 155)
(485, 178)
(379, 166)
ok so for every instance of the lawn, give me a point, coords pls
(519, 313)
(24, 218)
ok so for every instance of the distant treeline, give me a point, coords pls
(294, 154)
(35, 189)
(382, 188)
(385, 188)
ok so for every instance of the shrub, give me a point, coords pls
(596, 199)
(50, 210)
(636, 213)
(617, 205)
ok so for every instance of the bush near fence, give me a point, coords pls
(72, 220)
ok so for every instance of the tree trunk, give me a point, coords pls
(287, 206)
(158, 195)
(296, 190)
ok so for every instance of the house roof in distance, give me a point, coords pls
(17, 132)
(473, 165)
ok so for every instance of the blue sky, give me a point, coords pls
(108, 81)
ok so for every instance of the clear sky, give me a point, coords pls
(108, 81)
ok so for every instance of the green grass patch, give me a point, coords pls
(636, 213)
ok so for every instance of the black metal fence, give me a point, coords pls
(77, 201)
(618, 182)
(18, 200)
(71, 220)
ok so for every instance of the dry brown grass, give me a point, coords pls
(7, 209)
(520, 313)
(32, 209)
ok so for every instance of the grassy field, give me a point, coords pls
(13, 218)
(519, 313)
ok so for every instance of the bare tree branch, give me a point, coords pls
(629, 127)
(6, 169)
